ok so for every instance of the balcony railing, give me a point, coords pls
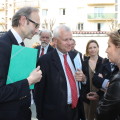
(101, 16)
(19, 4)
(101, 2)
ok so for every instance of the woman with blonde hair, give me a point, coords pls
(91, 65)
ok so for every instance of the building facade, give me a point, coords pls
(80, 15)
(88, 19)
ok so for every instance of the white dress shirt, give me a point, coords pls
(69, 96)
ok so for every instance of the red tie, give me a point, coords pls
(72, 82)
(42, 53)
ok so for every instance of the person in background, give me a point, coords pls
(57, 95)
(91, 65)
(53, 43)
(45, 38)
(109, 106)
(15, 98)
(102, 78)
(75, 52)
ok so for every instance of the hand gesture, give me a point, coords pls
(35, 76)
(92, 96)
(79, 76)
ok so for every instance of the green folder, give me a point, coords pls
(22, 63)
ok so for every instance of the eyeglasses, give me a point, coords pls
(36, 24)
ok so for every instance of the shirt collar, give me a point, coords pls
(60, 53)
(17, 36)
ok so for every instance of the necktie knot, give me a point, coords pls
(65, 56)
(42, 49)
(22, 43)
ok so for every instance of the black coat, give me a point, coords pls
(15, 97)
(106, 72)
(109, 106)
(50, 48)
(86, 72)
(51, 91)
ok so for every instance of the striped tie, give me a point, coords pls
(72, 82)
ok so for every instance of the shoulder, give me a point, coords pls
(100, 58)
(51, 47)
(38, 47)
(47, 56)
(114, 86)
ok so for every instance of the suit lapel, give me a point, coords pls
(56, 60)
(72, 56)
(62, 79)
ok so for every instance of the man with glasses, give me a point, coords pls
(45, 38)
(36, 24)
(15, 98)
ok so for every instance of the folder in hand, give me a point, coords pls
(22, 63)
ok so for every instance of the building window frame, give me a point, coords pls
(44, 12)
(80, 26)
(62, 11)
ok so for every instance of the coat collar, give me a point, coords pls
(57, 61)
(12, 38)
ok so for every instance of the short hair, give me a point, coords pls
(87, 46)
(46, 31)
(114, 37)
(25, 11)
(56, 31)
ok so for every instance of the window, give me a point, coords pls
(98, 12)
(62, 11)
(116, 1)
(99, 26)
(44, 12)
(80, 26)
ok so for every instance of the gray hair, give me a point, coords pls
(46, 31)
(115, 37)
(56, 31)
(25, 11)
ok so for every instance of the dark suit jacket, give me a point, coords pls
(15, 97)
(50, 48)
(105, 71)
(51, 91)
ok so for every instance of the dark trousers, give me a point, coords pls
(72, 114)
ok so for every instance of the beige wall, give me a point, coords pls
(80, 43)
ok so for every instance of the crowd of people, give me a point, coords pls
(68, 84)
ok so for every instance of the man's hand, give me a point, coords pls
(35, 76)
(79, 76)
(92, 96)
(100, 75)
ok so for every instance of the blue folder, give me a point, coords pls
(22, 63)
